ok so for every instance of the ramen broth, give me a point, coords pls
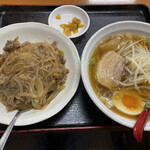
(102, 92)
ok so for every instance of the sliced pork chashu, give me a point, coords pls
(110, 45)
(109, 69)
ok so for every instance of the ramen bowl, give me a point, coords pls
(133, 27)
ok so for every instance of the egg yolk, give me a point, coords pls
(129, 101)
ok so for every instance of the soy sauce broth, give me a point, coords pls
(101, 90)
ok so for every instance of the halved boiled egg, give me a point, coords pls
(128, 101)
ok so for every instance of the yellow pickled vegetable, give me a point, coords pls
(67, 31)
(81, 26)
(58, 17)
(72, 26)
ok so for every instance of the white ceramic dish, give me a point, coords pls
(135, 27)
(37, 32)
(68, 12)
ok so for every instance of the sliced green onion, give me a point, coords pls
(92, 61)
(145, 108)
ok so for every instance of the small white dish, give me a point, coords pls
(38, 32)
(67, 13)
(134, 27)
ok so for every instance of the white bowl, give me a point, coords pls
(68, 12)
(135, 27)
(37, 32)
